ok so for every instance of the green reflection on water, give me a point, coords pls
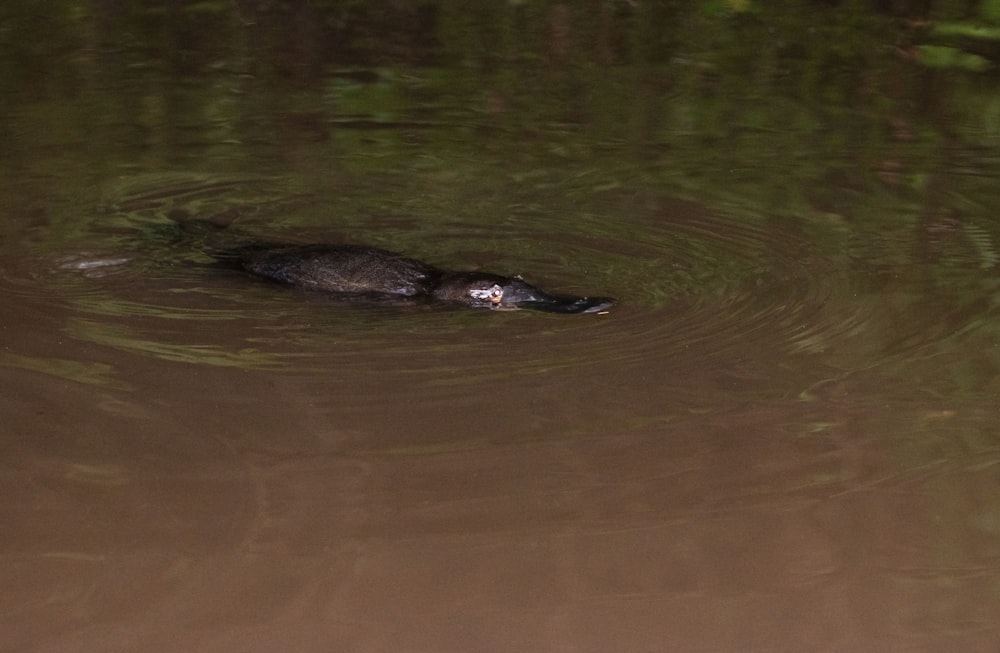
(97, 374)
(118, 307)
(129, 340)
(785, 107)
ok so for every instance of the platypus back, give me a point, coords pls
(341, 269)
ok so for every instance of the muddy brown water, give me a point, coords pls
(765, 446)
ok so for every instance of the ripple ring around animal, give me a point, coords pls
(370, 273)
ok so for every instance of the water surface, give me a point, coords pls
(783, 437)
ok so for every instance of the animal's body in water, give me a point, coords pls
(362, 272)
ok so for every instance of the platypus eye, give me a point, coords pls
(494, 293)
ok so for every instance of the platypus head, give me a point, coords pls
(510, 294)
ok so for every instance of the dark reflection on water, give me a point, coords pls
(783, 438)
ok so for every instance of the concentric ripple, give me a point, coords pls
(692, 285)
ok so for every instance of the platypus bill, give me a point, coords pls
(360, 271)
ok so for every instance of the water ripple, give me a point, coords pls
(692, 285)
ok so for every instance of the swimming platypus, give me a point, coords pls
(369, 272)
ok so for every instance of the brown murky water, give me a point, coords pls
(784, 438)
(753, 451)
